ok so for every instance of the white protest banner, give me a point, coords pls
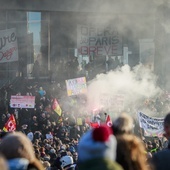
(76, 86)
(151, 126)
(98, 40)
(8, 45)
(22, 102)
(115, 101)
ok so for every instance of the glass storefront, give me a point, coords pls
(29, 40)
(57, 35)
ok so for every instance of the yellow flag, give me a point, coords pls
(56, 107)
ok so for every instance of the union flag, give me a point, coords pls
(108, 121)
(94, 124)
(10, 125)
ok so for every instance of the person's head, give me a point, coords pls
(123, 125)
(75, 156)
(131, 152)
(34, 118)
(167, 126)
(42, 149)
(3, 116)
(148, 145)
(18, 146)
(66, 161)
(97, 143)
(43, 115)
(46, 164)
(24, 126)
(61, 124)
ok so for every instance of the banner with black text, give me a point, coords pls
(98, 40)
(152, 126)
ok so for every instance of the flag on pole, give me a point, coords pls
(56, 107)
(108, 121)
(10, 125)
(94, 124)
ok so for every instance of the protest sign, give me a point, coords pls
(115, 101)
(76, 86)
(22, 102)
(79, 121)
(151, 126)
(8, 45)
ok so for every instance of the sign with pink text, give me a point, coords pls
(22, 102)
(98, 40)
(76, 86)
(8, 45)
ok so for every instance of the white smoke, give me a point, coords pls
(122, 89)
(166, 26)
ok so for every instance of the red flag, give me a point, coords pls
(94, 124)
(56, 107)
(108, 121)
(10, 125)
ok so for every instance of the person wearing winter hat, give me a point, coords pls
(97, 150)
(67, 163)
(19, 153)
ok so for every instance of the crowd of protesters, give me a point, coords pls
(53, 136)
(58, 142)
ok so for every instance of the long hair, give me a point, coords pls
(131, 153)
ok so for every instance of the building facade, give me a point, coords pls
(90, 30)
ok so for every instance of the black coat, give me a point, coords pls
(161, 160)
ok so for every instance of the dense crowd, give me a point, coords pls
(53, 136)
(47, 140)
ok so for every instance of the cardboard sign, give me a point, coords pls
(76, 86)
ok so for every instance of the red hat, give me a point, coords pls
(97, 143)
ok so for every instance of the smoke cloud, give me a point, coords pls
(122, 90)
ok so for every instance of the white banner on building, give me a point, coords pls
(8, 45)
(151, 126)
(22, 102)
(99, 41)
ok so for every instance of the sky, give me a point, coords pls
(34, 25)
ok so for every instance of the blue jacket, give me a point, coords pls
(18, 164)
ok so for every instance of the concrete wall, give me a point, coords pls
(103, 6)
